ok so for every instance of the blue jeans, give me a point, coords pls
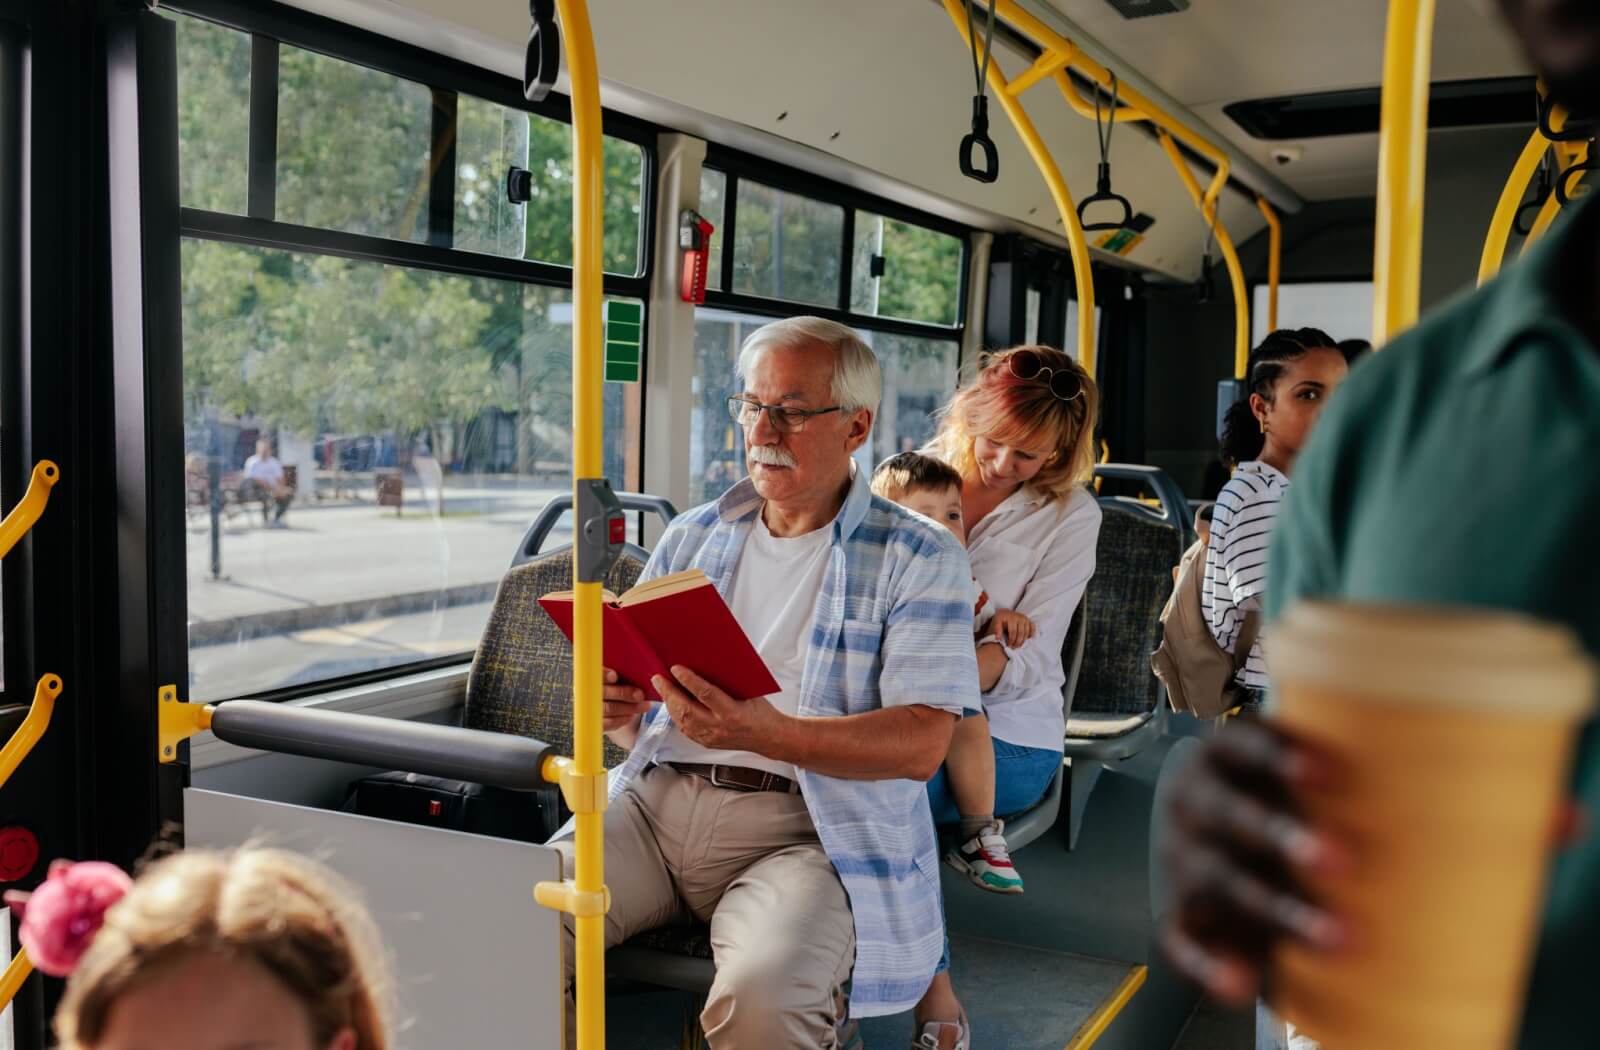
(1021, 777)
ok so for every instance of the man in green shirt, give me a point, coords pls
(1459, 467)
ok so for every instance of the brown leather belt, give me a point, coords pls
(738, 778)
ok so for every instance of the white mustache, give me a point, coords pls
(769, 455)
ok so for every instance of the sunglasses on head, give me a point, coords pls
(1064, 383)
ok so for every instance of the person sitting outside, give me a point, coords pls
(932, 488)
(265, 480)
(1456, 467)
(797, 824)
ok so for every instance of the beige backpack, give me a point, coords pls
(1198, 673)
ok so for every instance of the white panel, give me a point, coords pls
(477, 962)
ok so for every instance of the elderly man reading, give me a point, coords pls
(797, 824)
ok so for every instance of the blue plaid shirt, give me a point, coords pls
(893, 626)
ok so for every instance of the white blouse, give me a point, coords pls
(1034, 556)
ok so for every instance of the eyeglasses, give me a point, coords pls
(1064, 383)
(783, 418)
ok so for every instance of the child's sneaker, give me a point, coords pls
(986, 860)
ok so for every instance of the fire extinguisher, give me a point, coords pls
(694, 237)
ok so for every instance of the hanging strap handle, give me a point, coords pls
(978, 138)
(1589, 162)
(1102, 186)
(541, 64)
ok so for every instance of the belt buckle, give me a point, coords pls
(717, 781)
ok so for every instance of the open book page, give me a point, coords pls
(662, 586)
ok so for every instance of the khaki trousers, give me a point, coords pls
(750, 865)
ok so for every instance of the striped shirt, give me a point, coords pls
(892, 626)
(1236, 560)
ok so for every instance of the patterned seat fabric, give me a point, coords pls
(692, 941)
(521, 678)
(1122, 606)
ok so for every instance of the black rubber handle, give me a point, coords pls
(978, 139)
(541, 64)
(1576, 129)
(1581, 168)
(534, 538)
(498, 759)
(1103, 194)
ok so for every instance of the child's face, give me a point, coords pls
(942, 505)
(212, 1002)
(1202, 529)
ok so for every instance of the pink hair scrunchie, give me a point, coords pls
(61, 917)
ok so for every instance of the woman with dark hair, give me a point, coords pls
(1292, 373)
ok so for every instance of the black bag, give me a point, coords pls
(459, 805)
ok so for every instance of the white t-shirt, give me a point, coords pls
(1236, 560)
(774, 596)
(266, 470)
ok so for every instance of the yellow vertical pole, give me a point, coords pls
(1230, 255)
(1082, 275)
(1274, 261)
(1402, 166)
(587, 218)
(15, 973)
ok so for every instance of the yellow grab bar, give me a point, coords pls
(32, 727)
(27, 511)
(585, 896)
(1060, 58)
(1505, 212)
(1230, 256)
(1082, 275)
(1274, 262)
(16, 972)
(1402, 164)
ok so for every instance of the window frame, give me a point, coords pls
(735, 165)
(272, 25)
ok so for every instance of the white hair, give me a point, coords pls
(857, 378)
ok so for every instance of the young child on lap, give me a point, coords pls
(932, 488)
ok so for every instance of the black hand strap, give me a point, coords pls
(1102, 188)
(978, 138)
(541, 64)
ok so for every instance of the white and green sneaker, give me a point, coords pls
(986, 860)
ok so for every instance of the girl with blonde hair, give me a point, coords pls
(207, 950)
(1021, 435)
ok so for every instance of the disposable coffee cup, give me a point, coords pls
(1454, 732)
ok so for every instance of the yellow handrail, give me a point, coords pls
(588, 900)
(1082, 275)
(1274, 262)
(1505, 212)
(1230, 256)
(1402, 162)
(27, 511)
(11, 981)
(32, 727)
(1060, 58)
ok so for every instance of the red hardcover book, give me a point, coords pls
(673, 620)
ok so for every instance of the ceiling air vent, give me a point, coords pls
(1146, 8)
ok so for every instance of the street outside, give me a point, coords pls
(349, 586)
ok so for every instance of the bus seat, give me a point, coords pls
(1028, 825)
(1119, 707)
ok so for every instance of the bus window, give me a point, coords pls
(214, 105)
(353, 147)
(490, 140)
(786, 246)
(713, 205)
(1341, 308)
(550, 211)
(920, 271)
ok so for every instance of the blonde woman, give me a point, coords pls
(1022, 438)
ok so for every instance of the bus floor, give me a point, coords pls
(1018, 999)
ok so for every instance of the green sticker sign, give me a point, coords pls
(624, 340)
